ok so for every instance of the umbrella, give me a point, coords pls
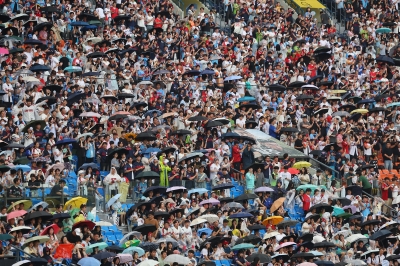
(126, 237)
(231, 205)
(4, 17)
(264, 258)
(23, 168)
(245, 197)
(232, 78)
(100, 246)
(213, 124)
(103, 255)
(324, 263)
(392, 257)
(90, 114)
(393, 104)
(341, 114)
(324, 244)
(304, 97)
(113, 200)
(246, 99)
(6, 237)
(52, 87)
(147, 175)
(75, 202)
(74, 98)
(274, 220)
(383, 30)
(145, 229)
(315, 152)
(148, 263)
(73, 69)
(47, 229)
(321, 111)
(40, 26)
(356, 238)
(41, 239)
(181, 132)
(247, 106)
(103, 223)
(15, 214)
(197, 190)
(243, 246)
(125, 258)
(210, 217)
(240, 215)
(191, 156)
(156, 190)
(34, 207)
(197, 118)
(39, 68)
(320, 206)
(145, 136)
(359, 111)
(65, 142)
(287, 223)
(380, 235)
(327, 148)
(90, 225)
(211, 201)
(222, 186)
(85, 166)
(161, 72)
(89, 261)
(263, 189)
(296, 84)
(277, 203)
(79, 24)
(256, 227)
(147, 246)
(42, 214)
(301, 164)
(23, 229)
(352, 208)
(344, 201)
(369, 252)
(131, 250)
(277, 87)
(198, 221)
(289, 129)
(322, 49)
(270, 235)
(366, 101)
(286, 244)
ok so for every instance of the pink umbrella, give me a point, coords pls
(307, 264)
(4, 51)
(47, 229)
(16, 214)
(90, 114)
(211, 201)
(353, 208)
(124, 258)
(285, 245)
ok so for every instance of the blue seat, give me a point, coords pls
(113, 228)
(225, 262)
(27, 192)
(104, 173)
(118, 235)
(72, 175)
(217, 263)
(97, 218)
(101, 191)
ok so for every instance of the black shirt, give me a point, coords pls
(56, 189)
(298, 143)
(15, 191)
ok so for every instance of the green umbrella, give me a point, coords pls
(243, 246)
(101, 246)
(383, 30)
(95, 22)
(4, 168)
(345, 215)
(5, 237)
(337, 211)
(74, 212)
(131, 250)
(22, 160)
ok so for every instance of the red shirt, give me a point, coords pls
(236, 154)
(384, 193)
(313, 69)
(114, 12)
(306, 202)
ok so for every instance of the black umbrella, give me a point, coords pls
(277, 87)
(145, 229)
(88, 16)
(309, 245)
(256, 227)
(287, 223)
(320, 206)
(147, 246)
(213, 124)
(348, 107)
(197, 118)
(324, 263)
(385, 59)
(175, 211)
(61, 216)
(161, 214)
(38, 261)
(344, 201)
(166, 150)
(40, 26)
(155, 189)
(147, 175)
(164, 13)
(181, 132)
(296, 84)
(53, 87)
(324, 244)
(104, 255)
(4, 18)
(305, 97)
(328, 147)
(308, 237)
(120, 151)
(50, 100)
(322, 49)
(139, 104)
(156, 200)
(255, 166)
(121, 17)
(49, 9)
(367, 166)
(226, 199)
(42, 214)
(306, 59)
(247, 106)
(208, 263)
(381, 97)
(322, 57)
(289, 129)
(325, 83)
(245, 197)
(316, 152)
(315, 78)
(248, 139)
(380, 235)
(392, 257)
(14, 146)
(222, 186)
(74, 98)
(377, 109)
(355, 190)
(96, 55)
(146, 136)
(370, 222)
(303, 255)
(251, 124)
(253, 239)
(314, 217)
(125, 95)
(321, 111)
(355, 217)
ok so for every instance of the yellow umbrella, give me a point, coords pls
(80, 218)
(301, 164)
(361, 111)
(277, 203)
(27, 205)
(75, 202)
(338, 91)
(273, 219)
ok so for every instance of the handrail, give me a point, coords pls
(337, 173)
(20, 250)
(370, 196)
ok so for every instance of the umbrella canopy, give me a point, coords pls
(147, 175)
(245, 197)
(241, 215)
(75, 203)
(263, 189)
(113, 200)
(104, 255)
(243, 246)
(210, 217)
(274, 220)
(89, 261)
(42, 214)
(23, 229)
(15, 214)
(148, 263)
(381, 234)
(27, 204)
(301, 164)
(41, 239)
(278, 203)
(47, 229)
(90, 225)
(100, 246)
(131, 250)
(145, 229)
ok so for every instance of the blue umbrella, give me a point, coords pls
(72, 69)
(91, 74)
(208, 231)
(198, 190)
(150, 113)
(366, 101)
(383, 30)
(23, 167)
(230, 135)
(89, 261)
(90, 27)
(42, 203)
(113, 200)
(246, 99)
(131, 250)
(207, 72)
(39, 68)
(79, 24)
(393, 104)
(385, 59)
(241, 215)
(232, 78)
(65, 142)
(87, 165)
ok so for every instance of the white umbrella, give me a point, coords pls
(94, 40)
(198, 221)
(387, 224)
(22, 262)
(85, 135)
(308, 86)
(334, 98)
(126, 237)
(20, 228)
(356, 263)
(59, 166)
(210, 217)
(149, 263)
(356, 237)
(90, 114)
(167, 239)
(270, 235)
(30, 79)
(102, 223)
(369, 252)
(145, 82)
(345, 233)
(177, 258)
(318, 239)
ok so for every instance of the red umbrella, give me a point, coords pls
(16, 214)
(292, 171)
(87, 223)
(47, 229)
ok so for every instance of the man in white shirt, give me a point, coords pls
(285, 177)
(241, 121)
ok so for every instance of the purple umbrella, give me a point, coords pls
(264, 189)
(353, 208)
(211, 201)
